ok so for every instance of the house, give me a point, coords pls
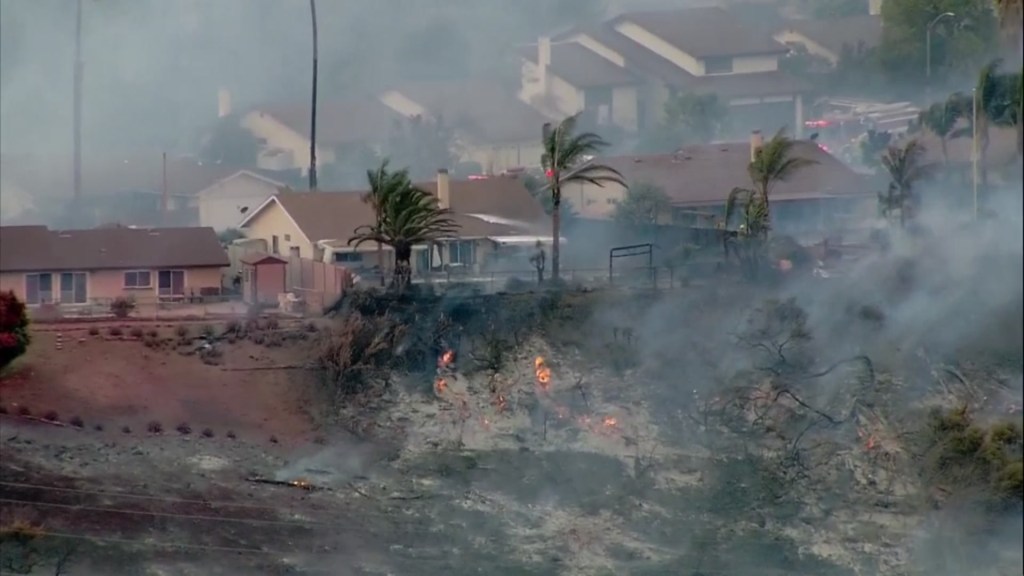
(832, 38)
(493, 215)
(698, 179)
(15, 201)
(701, 50)
(223, 204)
(492, 127)
(77, 267)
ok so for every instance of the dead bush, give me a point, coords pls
(273, 340)
(155, 427)
(184, 429)
(272, 323)
(351, 354)
(126, 429)
(211, 355)
(94, 331)
(153, 333)
(76, 421)
(311, 327)
(51, 416)
(122, 307)
(98, 427)
(233, 327)
(208, 331)
(3, 409)
(24, 411)
(207, 433)
(273, 439)
(231, 434)
(115, 331)
(135, 332)
(182, 332)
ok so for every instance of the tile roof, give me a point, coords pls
(335, 215)
(350, 121)
(704, 174)
(36, 248)
(704, 32)
(835, 33)
(646, 63)
(582, 67)
(483, 110)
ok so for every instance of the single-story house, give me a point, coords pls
(224, 204)
(493, 214)
(697, 180)
(77, 267)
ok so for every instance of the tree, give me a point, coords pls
(941, 118)
(405, 216)
(230, 143)
(690, 118)
(906, 167)
(774, 162)
(827, 9)
(958, 44)
(567, 158)
(424, 144)
(14, 336)
(642, 206)
(872, 145)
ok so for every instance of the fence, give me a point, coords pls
(319, 284)
(143, 308)
(626, 277)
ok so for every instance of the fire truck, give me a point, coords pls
(843, 123)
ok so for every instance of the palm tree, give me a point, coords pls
(906, 168)
(566, 159)
(941, 118)
(773, 163)
(382, 182)
(405, 216)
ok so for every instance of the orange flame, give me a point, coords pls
(610, 422)
(446, 359)
(543, 372)
(440, 385)
(501, 402)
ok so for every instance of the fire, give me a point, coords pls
(500, 402)
(610, 422)
(440, 385)
(300, 483)
(543, 372)
(446, 359)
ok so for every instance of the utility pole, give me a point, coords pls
(163, 189)
(312, 127)
(974, 148)
(77, 104)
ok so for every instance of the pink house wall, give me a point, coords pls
(109, 284)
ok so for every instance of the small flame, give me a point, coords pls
(610, 422)
(440, 385)
(301, 483)
(446, 359)
(501, 402)
(543, 372)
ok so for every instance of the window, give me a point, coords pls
(287, 237)
(138, 279)
(294, 251)
(171, 283)
(462, 252)
(73, 288)
(348, 257)
(275, 248)
(722, 65)
(38, 288)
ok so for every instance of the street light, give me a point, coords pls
(312, 115)
(928, 49)
(974, 148)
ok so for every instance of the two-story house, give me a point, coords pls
(702, 50)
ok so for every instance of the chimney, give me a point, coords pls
(223, 103)
(543, 61)
(444, 190)
(756, 142)
(874, 7)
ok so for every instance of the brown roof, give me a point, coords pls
(48, 176)
(260, 257)
(834, 33)
(644, 62)
(581, 67)
(36, 248)
(482, 109)
(338, 121)
(704, 174)
(705, 32)
(335, 215)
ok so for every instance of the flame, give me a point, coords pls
(870, 444)
(542, 371)
(446, 359)
(609, 422)
(440, 385)
(301, 483)
(500, 402)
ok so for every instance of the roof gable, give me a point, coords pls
(36, 248)
(704, 32)
(237, 175)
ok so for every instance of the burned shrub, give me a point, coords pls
(233, 328)
(51, 416)
(184, 429)
(24, 411)
(355, 351)
(493, 353)
(272, 323)
(77, 422)
(126, 429)
(311, 327)
(182, 332)
(153, 333)
(207, 433)
(208, 331)
(211, 355)
(98, 427)
(273, 439)
(135, 332)
(122, 307)
(3, 409)
(115, 331)
(94, 331)
(155, 427)
(231, 434)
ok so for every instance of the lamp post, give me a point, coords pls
(974, 149)
(312, 119)
(928, 52)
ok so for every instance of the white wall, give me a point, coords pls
(759, 63)
(219, 204)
